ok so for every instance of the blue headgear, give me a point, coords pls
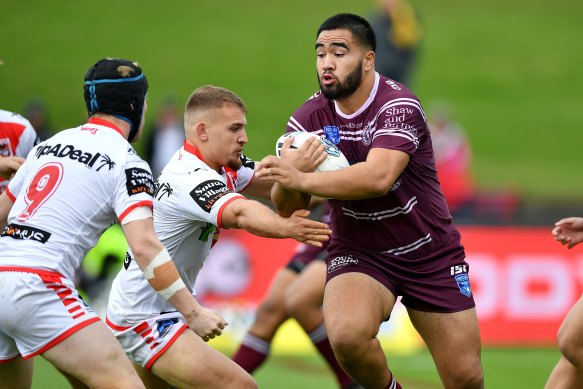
(117, 87)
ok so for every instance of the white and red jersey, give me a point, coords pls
(71, 188)
(189, 200)
(17, 138)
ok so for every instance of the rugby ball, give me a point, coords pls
(335, 159)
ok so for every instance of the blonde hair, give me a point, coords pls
(209, 97)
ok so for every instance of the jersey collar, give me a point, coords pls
(366, 104)
(192, 149)
(105, 123)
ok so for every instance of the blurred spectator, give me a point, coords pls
(398, 31)
(452, 159)
(36, 112)
(467, 202)
(166, 136)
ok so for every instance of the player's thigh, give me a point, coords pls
(453, 338)
(192, 363)
(150, 380)
(16, 373)
(308, 288)
(92, 355)
(355, 304)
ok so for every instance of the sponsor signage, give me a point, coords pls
(524, 282)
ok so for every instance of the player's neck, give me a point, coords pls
(202, 153)
(352, 103)
(119, 123)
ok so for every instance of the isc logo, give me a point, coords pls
(458, 269)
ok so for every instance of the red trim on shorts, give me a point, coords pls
(21, 269)
(144, 203)
(75, 308)
(166, 346)
(62, 295)
(10, 195)
(220, 214)
(115, 326)
(62, 337)
(141, 327)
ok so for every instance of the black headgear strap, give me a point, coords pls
(117, 87)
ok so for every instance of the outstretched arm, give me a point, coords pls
(258, 219)
(569, 231)
(161, 273)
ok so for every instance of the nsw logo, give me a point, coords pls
(164, 325)
(463, 282)
(332, 134)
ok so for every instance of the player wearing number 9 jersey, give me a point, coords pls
(70, 189)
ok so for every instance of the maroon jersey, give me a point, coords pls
(412, 220)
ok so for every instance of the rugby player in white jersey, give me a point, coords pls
(70, 189)
(197, 195)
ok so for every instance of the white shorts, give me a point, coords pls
(148, 340)
(38, 309)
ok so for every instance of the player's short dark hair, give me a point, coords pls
(117, 87)
(357, 25)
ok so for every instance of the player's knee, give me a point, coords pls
(346, 345)
(465, 377)
(271, 310)
(570, 347)
(129, 382)
(572, 352)
(246, 382)
(294, 306)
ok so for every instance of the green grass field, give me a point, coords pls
(511, 70)
(503, 368)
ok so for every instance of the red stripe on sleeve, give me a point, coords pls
(220, 215)
(10, 195)
(145, 203)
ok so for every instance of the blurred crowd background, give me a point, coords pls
(505, 78)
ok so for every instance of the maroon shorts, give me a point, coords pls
(437, 282)
(305, 254)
